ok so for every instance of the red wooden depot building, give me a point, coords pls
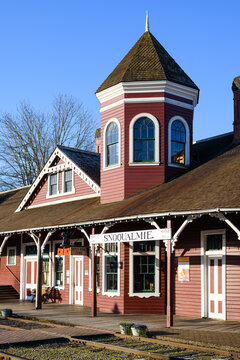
(150, 222)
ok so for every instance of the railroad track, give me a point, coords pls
(146, 348)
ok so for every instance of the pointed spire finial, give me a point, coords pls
(147, 22)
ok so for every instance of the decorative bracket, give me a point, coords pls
(222, 217)
(46, 240)
(175, 237)
(3, 243)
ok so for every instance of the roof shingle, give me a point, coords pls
(147, 61)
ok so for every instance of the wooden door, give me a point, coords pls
(78, 280)
(215, 288)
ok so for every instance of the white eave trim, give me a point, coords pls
(148, 87)
(68, 164)
(126, 218)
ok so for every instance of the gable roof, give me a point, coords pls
(88, 161)
(86, 164)
(213, 185)
(147, 61)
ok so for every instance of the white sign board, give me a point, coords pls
(141, 235)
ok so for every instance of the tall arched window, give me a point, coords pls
(178, 143)
(112, 144)
(144, 140)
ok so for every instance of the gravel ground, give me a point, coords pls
(63, 350)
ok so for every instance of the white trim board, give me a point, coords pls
(49, 170)
(149, 87)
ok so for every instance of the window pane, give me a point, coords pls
(112, 144)
(68, 181)
(214, 242)
(45, 272)
(11, 257)
(98, 271)
(144, 140)
(143, 246)
(31, 250)
(59, 271)
(178, 142)
(53, 184)
(111, 269)
(144, 273)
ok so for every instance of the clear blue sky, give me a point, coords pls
(71, 46)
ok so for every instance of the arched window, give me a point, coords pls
(144, 140)
(112, 144)
(178, 143)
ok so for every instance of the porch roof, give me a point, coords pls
(211, 186)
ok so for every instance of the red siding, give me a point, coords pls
(81, 189)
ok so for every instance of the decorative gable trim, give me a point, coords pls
(68, 164)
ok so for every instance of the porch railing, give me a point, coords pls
(16, 278)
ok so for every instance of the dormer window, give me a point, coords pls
(53, 190)
(144, 140)
(68, 183)
(112, 144)
(178, 142)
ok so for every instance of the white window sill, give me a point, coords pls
(214, 252)
(11, 264)
(111, 167)
(61, 194)
(178, 166)
(144, 295)
(143, 163)
(111, 293)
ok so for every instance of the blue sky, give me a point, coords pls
(71, 46)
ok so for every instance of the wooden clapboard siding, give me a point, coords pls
(112, 180)
(6, 278)
(81, 189)
(187, 294)
(233, 278)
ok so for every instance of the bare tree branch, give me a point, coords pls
(27, 139)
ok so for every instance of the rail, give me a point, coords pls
(13, 274)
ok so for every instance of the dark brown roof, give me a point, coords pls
(147, 61)
(88, 161)
(214, 184)
(236, 83)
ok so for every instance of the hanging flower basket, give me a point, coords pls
(139, 330)
(125, 328)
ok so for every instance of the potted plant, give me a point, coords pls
(139, 330)
(125, 328)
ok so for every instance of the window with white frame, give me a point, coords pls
(111, 269)
(144, 140)
(11, 256)
(144, 264)
(53, 184)
(59, 266)
(68, 181)
(112, 144)
(178, 144)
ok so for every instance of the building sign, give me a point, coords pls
(183, 268)
(141, 235)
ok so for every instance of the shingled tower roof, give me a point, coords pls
(147, 61)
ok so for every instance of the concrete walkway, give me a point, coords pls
(202, 331)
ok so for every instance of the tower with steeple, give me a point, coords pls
(147, 106)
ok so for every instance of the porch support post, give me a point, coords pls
(94, 279)
(169, 280)
(38, 302)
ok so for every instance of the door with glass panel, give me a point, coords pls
(78, 280)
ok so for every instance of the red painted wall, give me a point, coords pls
(40, 197)
(6, 278)
(124, 181)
